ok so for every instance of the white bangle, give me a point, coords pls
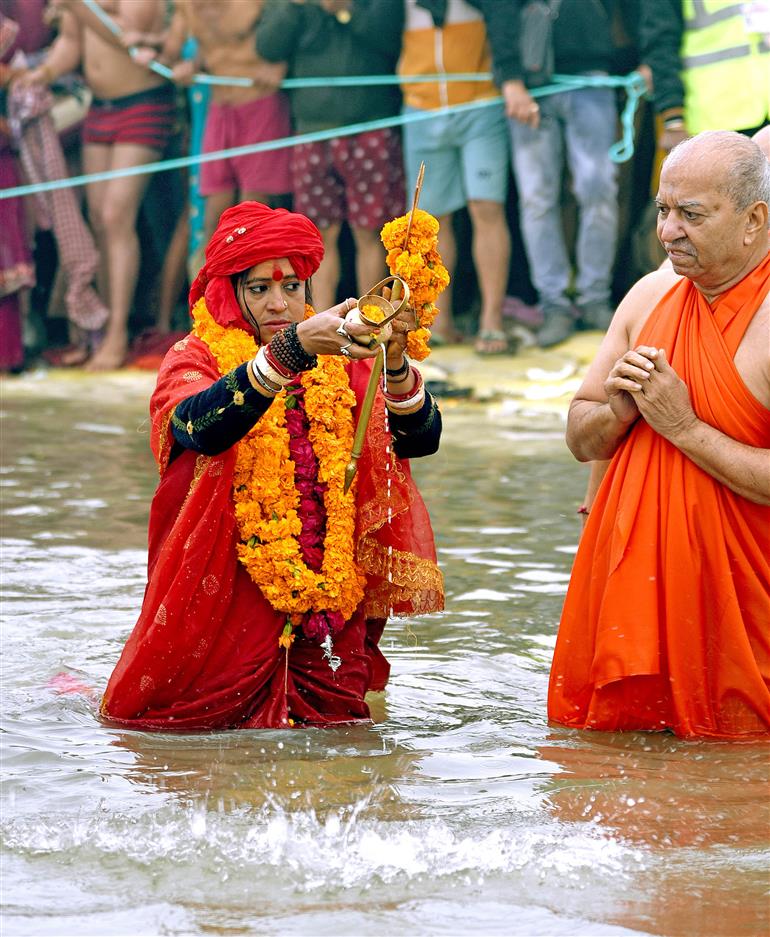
(257, 379)
(409, 404)
(268, 372)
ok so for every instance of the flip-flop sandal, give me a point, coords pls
(498, 341)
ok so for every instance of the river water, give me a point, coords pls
(459, 811)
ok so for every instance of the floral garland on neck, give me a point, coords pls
(419, 263)
(283, 559)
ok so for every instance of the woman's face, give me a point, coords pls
(271, 296)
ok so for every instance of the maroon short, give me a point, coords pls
(359, 179)
(147, 118)
(233, 125)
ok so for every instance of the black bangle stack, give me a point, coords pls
(288, 350)
(400, 372)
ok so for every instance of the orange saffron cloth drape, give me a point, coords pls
(204, 653)
(666, 623)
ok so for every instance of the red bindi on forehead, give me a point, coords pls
(277, 273)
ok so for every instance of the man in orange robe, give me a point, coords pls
(666, 624)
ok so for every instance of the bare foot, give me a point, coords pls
(74, 357)
(109, 356)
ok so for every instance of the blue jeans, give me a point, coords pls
(582, 122)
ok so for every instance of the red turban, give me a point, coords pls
(248, 234)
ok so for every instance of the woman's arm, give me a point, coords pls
(218, 417)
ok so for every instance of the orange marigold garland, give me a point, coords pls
(419, 263)
(265, 495)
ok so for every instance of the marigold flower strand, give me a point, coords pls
(265, 495)
(419, 264)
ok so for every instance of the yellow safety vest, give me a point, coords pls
(725, 68)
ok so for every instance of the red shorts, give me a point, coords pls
(232, 125)
(147, 118)
(359, 179)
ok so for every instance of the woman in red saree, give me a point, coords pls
(268, 586)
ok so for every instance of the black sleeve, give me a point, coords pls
(660, 39)
(379, 24)
(416, 434)
(279, 30)
(502, 22)
(216, 418)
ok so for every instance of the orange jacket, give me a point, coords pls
(460, 45)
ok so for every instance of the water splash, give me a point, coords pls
(339, 849)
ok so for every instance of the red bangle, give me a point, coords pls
(583, 510)
(275, 364)
(395, 398)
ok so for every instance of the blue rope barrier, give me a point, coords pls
(636, 89)
(348, 81)
(620, 151)
(264, 147)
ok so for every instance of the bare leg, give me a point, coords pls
(370, 259)
(96, 158)
(491, 257)
(444, 327)
(117, 220)
(326, 279)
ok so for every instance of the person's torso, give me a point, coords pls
(225, 31)
(328, 48)
(751, 359)
(109, 71)
(582, 36)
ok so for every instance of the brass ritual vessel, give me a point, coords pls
(399, 294)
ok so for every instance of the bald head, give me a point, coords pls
(734, 164)
(713, 209)
(762, 139)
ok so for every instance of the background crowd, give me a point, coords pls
(541, 230)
